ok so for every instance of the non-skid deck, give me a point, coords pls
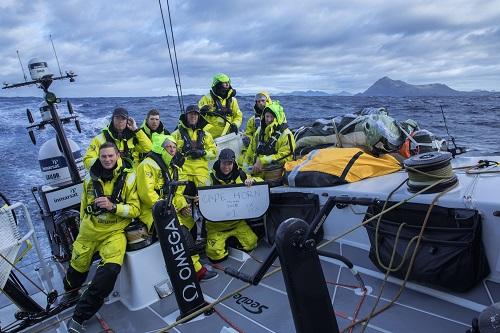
(265, 308)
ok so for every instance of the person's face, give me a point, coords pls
(108, 157)
(171, 148)
(225, 85)
(226, 167)
(192, 118)
(261, 103)
(153, 122)
(268, 118)
(119, 123)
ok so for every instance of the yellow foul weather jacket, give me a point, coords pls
(150, 186)
(272, 144)
(131, 145)
(100, 227)
(195, 167)
(215, 116)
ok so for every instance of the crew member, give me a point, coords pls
(109, 203)
(220, 107)
(197, 145)
(262, 99)
(225, 172)
(153, 124)
(273, 143)
(123, 132)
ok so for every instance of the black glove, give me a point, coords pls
(204, 110)
(246, 141)
(197, 153)
(177, 159)
(233, 128)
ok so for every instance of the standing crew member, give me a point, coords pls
(109, 203)
(123, 132)
(220, 107)
(225, 172)
(162, 165)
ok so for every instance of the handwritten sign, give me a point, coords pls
(234, 202)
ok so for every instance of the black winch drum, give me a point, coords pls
(436, 163)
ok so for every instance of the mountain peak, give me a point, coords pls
(386, 86)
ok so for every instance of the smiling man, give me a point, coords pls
(109, 203)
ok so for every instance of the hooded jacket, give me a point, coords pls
(251, 123)
(276, 137)
(100, 227)
(131, 144)
(195, 166)
(233, 115)
(150, 181)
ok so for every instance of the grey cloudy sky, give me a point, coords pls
(118, 48)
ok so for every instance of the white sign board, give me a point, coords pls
(64, 197)
(234, 202)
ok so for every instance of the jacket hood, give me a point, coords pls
(277, 110)
(220, 77)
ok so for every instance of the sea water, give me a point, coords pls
(474, 122)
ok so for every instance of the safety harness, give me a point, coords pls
(222, 111)
(190, 144)
(164, 172)
(126, 150)
(115, 195)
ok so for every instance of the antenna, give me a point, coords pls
(455, 150)
(55, 53)
(22, 68)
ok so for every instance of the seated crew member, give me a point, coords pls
(220, 107)
(109, 203)
(153, 124)
(272, 144)
(262, 99)
(225, 171)
(161, 165)
(197, 145)
(123, 132)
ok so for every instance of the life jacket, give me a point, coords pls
(126, 153)
(222, 111)
(163, 192)
(188, 143)
(116, 195)
(269, 147)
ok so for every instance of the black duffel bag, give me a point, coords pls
(450, 255)
(285, 205)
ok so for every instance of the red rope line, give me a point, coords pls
(228, 321)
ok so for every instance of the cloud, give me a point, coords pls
(118, 48)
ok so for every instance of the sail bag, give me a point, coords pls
(450, 255)
(336, 166)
